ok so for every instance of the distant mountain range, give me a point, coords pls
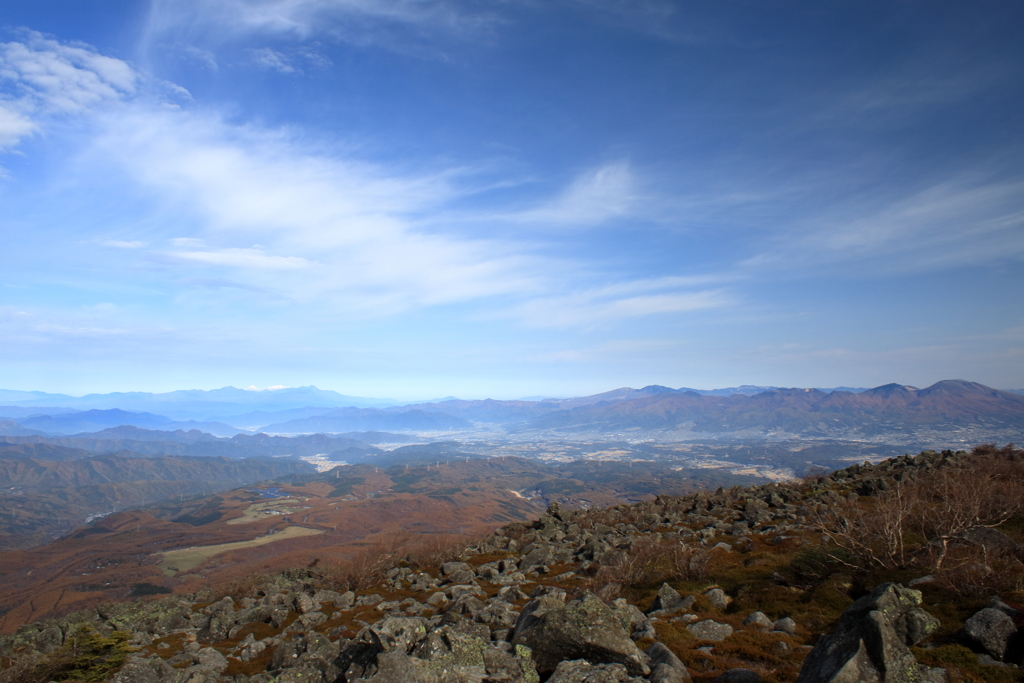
(192, 404)
(96, 420)
(243, 408)
(944, 406)
(744, 412)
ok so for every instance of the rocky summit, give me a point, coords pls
(860, 575)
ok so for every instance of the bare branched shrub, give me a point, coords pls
(961, 501)
(691, 563)
(977, 572)
(646, 562)
(368, 568)
(433, 551)
(939, 508)
(875, 530)
(247, 586)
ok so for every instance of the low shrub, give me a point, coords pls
(86, 656)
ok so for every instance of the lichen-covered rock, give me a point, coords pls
(398, 667)
(991, 629)
(582, 671)
(582, 629)
(870, 643)
(399, 633)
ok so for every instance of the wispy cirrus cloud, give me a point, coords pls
(251, 258)
(594, 196)
(613, 303)
(331, 229)
(968, 219)
(397, 24)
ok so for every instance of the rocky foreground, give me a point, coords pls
(736, 586)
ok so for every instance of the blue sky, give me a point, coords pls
(418, 198)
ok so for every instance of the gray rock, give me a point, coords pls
(669, 598)
(533, 611)
(509, 667)
(740, 676)
(312, 619)
(399, 633)
(663, 673)
(211, 659)
(759, 620)
(135, 670)
(437, 599)
(665, 666)
(582, 671)
(785, 625)
(304, 673)
(870, 643)
(398, 667)
(717, 597)
(464, 576)
(449, 568)
(304, 603)
(997, 603)
(986, 660)
(582, 629)
(991, 629)
(916, 626)
(710, 630)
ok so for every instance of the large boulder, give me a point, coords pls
(991, 629)
(582, 629)
(870, 644)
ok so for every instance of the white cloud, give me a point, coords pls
(355, 21)
(40, 77)
(121, 244)
(331, 230)
(14, 126)
(616, 302)
(194, 242)
(272, 59)
(595, 196)
(245, 258)
(963, 221)
(200, 56)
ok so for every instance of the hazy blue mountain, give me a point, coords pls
(11, 428)
(98, 420)
(257, 418)
(361, 419)
(18, 412)
(139, 434)
(197, 404)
